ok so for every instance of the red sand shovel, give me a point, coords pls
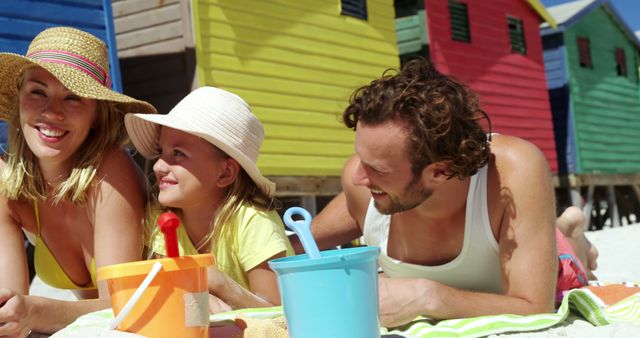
(168, 223)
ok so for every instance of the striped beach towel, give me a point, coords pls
(579, 302)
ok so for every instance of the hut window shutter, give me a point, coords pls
(459, 17)
(516, 35)
(621, 62)
(584, 53)
(354, 8)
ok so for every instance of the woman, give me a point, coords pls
(206, 150)
(66, 182)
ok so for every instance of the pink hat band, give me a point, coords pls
(76, 61)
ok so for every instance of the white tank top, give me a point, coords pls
(477, 268)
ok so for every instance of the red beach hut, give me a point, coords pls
(494, 47)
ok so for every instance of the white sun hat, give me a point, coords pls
(217, 116)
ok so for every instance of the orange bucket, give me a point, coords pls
(176, 303)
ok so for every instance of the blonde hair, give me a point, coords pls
(242, 191)
(21, 177)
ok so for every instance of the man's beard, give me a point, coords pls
(415, 193)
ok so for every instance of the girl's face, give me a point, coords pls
(187, 170)
(54, 121)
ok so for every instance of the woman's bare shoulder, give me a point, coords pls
(119, 170)
(11, 210)
(119, 162)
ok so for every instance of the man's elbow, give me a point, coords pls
(541, 306)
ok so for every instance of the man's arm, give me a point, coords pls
(331, 227)
(527, 250)
(334, 225)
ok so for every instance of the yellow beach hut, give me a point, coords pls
(295, 61)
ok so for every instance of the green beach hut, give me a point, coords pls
(591, 62)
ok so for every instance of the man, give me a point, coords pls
(465, 220)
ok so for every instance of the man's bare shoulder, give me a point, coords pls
(518, 159)
(357, 197)
(513, 151)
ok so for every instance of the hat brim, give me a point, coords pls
(81, 84)
(144, 129)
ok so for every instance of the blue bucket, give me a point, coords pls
(332, 296)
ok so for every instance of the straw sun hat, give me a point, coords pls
(215, 115)
(77, 59)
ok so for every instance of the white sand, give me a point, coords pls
(580, 328)
(619, 248)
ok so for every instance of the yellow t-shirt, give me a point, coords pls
(260, 235)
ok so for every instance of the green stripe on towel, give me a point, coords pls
(580, 302)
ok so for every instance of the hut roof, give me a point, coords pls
(567, 14)
(542, 12)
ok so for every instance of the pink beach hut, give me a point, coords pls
(493, 46)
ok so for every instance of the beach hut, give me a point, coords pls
(156, 49)
(295, 62)
(592, 73)
(22, 20)
(496, 49)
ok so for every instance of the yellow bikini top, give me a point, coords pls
(47, 266)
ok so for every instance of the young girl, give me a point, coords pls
(66, 181)
(206, 150)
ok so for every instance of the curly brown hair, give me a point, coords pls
(440, 113)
